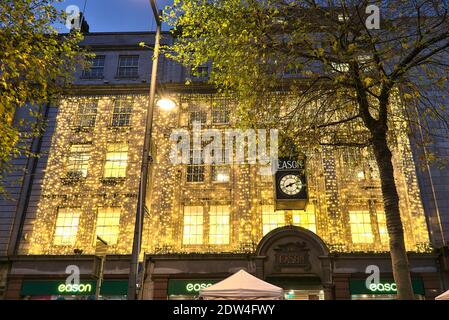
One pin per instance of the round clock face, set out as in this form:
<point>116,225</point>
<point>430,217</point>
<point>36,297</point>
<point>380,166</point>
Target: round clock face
<point>290,184</point>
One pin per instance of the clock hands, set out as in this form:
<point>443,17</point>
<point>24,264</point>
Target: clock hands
<point>290,184</point>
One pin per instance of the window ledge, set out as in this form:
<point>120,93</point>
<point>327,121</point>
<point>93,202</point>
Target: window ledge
<point>112,181</point>
<point>127,77</point>
<point>119,128</point>
<point>72,180</point>
<point>91,78</point>
<point>78,129</point>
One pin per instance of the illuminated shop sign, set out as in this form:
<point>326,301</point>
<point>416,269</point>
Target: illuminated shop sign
<point>381,287</point>
<point>75,288</point>
<point>358,286</point>
<point>188,287</point>
<point>196,287</point>
<point>85,287</point>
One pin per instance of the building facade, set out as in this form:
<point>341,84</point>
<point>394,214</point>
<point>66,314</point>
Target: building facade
<point>204,221</point>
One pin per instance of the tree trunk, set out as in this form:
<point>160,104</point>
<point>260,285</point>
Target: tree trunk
<point>398,253</point>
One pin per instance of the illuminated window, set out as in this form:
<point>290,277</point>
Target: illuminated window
<point>304,219</point>
<point>116,161</point>
<point>219,225</point>
<point>66,226</point>
<point>193,225</point>
<point>361,227</point>
<point>128,67</point>
<point>220,173</point>
<point>96,69</point>
<point>87,113</point>
<point>382,224</point>
<point>108,222</point>
<point>121,116</point>
<point>78,160</point>
<point>271,219</point>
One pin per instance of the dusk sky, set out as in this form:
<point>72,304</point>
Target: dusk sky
<point>115,15</point>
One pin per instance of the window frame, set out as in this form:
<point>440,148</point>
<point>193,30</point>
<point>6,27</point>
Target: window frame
<point>120,67</point>
<point>92,115</point>
<point>75,157</point>
<point>122,113</point>
<point>87,74</point>
<point>74,237</point>
<point>366,227</point>
<point>228,225</point>
<point>198,227</point>
<point>119,209</point>
<point>121,169</point>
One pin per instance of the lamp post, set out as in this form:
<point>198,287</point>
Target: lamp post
<point>146,161</point>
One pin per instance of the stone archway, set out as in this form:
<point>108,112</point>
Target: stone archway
<point>292,252</point>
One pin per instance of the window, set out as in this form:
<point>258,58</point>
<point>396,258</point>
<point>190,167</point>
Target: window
<point>361,231</point>
<point>219,225</point>
<point>220,173</point>
<point>116,161</point>
<point>128,67</point>
<point>78,160</point>
<point>121,116</point>
<point>193,225</point>
<point>271,219</point>
<point>195,173</point>
<point>382,224</point>
<point>197,116</point>
<point>195,170</point>
<point>87,113</point>
<point>304,219</point>
<point>66,226</point>
<point>96,70</point>
<point>108,221</point>
<point>220,111</point>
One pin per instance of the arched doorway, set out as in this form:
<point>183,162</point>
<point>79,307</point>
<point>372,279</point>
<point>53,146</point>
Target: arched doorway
<point>297,260</point>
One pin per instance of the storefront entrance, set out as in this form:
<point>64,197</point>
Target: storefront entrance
<point>297,260</point>
<point>299,288</point>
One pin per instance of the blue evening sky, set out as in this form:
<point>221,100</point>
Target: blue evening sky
<point>115,15</point>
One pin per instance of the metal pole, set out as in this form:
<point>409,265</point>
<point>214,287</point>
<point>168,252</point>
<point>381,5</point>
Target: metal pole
<point>146,161</point>
<point>100,278</point>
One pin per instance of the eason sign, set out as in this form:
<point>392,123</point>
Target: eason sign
<point>75,288</point>
<point>60,287</point>
<point>357,286</point>
<point>188,287</point>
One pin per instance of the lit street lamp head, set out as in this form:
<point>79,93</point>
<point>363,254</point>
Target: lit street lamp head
<point>166,104</point>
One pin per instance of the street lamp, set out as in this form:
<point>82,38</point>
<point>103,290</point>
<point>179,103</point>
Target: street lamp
<point>166,104</point>
<point>146,161</point>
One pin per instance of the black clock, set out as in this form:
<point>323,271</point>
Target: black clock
<point>290,185</point>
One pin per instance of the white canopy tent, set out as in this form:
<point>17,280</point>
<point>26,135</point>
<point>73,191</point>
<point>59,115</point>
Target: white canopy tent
<point>443,296</point>
<point>242,286</point>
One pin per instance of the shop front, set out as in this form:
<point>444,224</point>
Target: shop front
<point>66,278</point>
<point>294,259</point>
<point>385,289</point>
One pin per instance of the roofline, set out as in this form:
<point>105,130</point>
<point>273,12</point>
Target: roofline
<point>119,33</point>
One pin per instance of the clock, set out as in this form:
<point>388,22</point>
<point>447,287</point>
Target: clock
<point>291,184</point>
